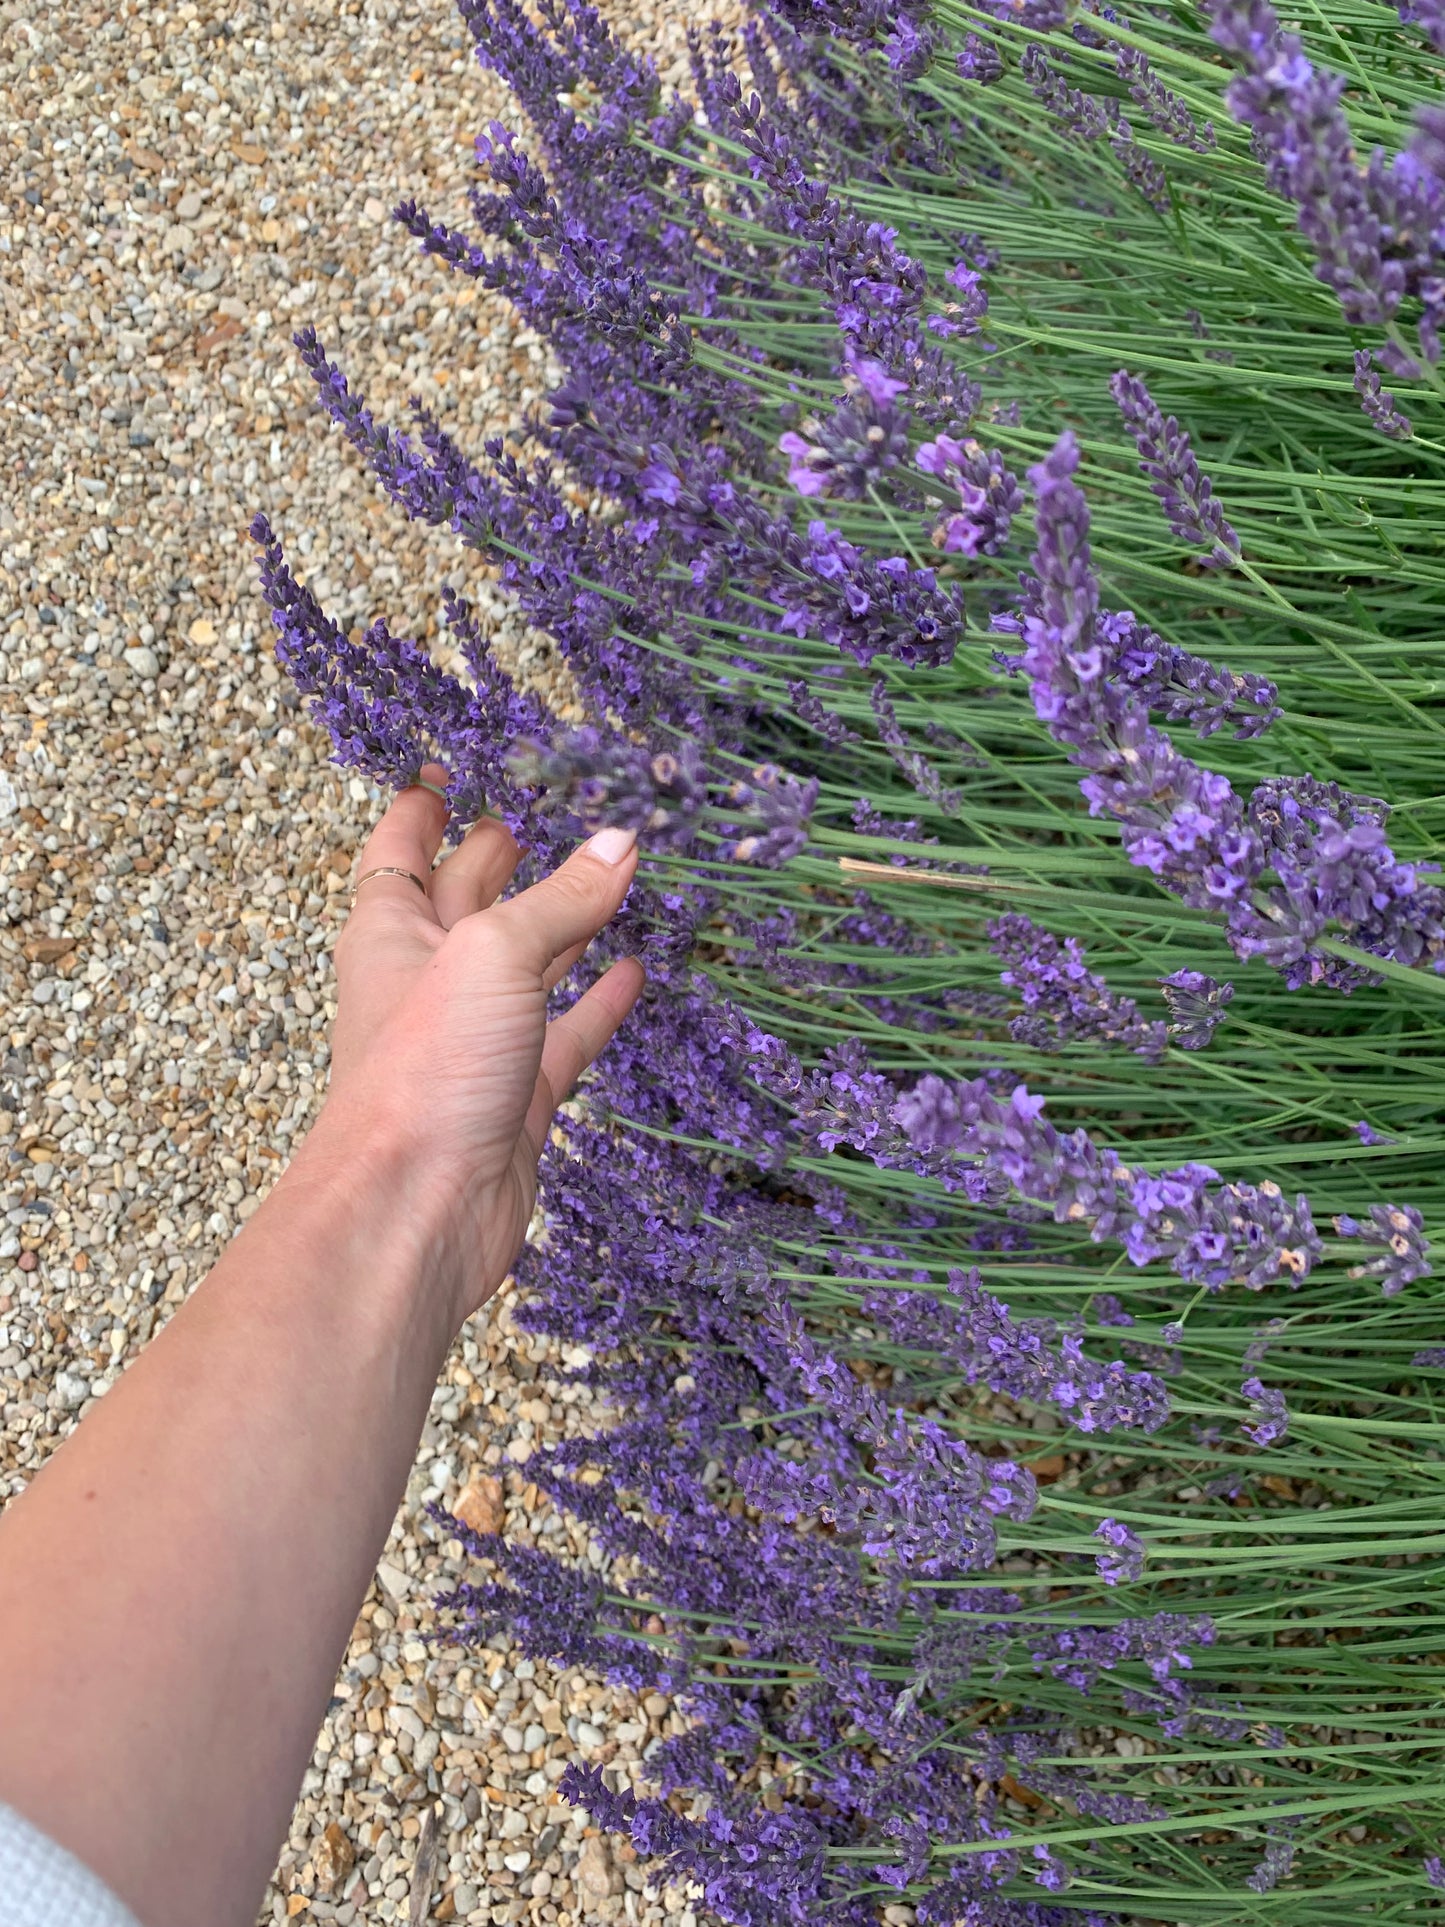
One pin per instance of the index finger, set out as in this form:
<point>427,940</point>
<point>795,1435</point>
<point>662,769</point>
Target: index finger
<point>407,838</point>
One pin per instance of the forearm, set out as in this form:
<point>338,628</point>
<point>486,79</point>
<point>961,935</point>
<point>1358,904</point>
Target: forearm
<point>178,1584</point>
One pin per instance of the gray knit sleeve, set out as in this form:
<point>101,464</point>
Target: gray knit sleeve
<point>41,1885</point>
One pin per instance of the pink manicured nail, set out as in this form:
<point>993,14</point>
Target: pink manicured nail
<point>610,845</point>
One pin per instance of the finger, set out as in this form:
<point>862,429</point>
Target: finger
<point>406,838</point>
<point>570,906</point>
<point>476,873</point>
<point>576,1037</point>
<point>555,972</point>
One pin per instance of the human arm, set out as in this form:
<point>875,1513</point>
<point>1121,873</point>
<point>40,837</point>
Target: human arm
<point>178,1583</point>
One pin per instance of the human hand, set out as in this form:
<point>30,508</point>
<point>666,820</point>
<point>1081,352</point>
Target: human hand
<point>441,1051</point>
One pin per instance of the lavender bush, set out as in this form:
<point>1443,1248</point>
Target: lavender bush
<point>1003,1232</point>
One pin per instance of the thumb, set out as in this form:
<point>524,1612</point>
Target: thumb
<point>570,906</point>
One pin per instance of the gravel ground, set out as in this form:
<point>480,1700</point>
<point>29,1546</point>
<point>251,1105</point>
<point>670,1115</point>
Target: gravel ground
<point>184,184</point>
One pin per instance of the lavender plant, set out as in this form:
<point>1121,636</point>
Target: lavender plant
<point>1003,1234</point>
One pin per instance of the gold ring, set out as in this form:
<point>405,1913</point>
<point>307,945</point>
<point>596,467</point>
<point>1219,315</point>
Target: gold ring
<point>387,870</point>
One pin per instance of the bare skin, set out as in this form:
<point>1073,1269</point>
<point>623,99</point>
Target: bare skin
<point>178,1584</point>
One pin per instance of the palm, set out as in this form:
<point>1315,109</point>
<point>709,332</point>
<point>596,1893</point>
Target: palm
<point>442,1022</point>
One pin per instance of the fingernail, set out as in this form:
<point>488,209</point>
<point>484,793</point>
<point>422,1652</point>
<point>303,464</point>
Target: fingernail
<point>610,845</point>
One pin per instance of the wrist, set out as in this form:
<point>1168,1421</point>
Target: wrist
<point>365,1187</point>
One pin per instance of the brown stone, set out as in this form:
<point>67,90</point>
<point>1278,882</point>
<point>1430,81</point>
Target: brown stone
<point>225,330</point>
<point>595,1874</point>
<point>28,1261</point>
<point>480,1504</point>
<point>48,949</point>
<point>333,1857</point>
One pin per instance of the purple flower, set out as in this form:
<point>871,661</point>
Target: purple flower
<point>867,606</point>
<point>864,437</point>
<point>385,704</point>
<point>1167,457</point>
<point>1395,1232</point>
<point>1064,1001</point>
<point>1080,114</point>
<point>552,1609</point>
<point>1377,402</point>
<point>1052,1872</point>
<point>1367,1133</point>
<point>989,495</point>
<point>1185,688</point>
<point>1163,106</point>
<point>1271,1415</point>
<point>1183,823</point>
<point>1122,1561</point>
<point>1435,1870</point>
<point>1212,1234</point>
<point>776,809</point>
<point>930,1502</point>
<point>979,60</point>
<point>1278,1858</point>
<point>1371,227</point>
<point>974,1334</point>
<point>593,781</point>
<point>1196,1004</point>
<point>964,316</point>
<point>1429,17</point>
<point>913,763</point>
<point>810,709</point>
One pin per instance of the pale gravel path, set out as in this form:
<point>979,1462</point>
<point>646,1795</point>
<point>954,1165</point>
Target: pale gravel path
<point>183,184</point>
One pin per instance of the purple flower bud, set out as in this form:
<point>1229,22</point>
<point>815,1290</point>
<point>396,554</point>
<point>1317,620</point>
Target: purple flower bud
<point>593,780</point>
<point>1271,1414</point>
<point>1371,227</point>
<point>1064,1001</point>
<point>1167,457</point>
<point>1377,401</point>
<point>864,437</point>
<point>1429,17</point>
<point>1196,1007</point>
<point>989,495</point>
<point>1184,823</point>
<point>1080,114</point>
<point>1235,1233</point>
<point>979,60</point>
<point>1395,1232</point>
<point>1277,1861</point>
<point>1162,105</point>
<point>1122,1563</point>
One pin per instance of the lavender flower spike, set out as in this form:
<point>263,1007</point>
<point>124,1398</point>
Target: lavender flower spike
<point>1167,457</point>
<point>864,436</point>
<point>1377,402</point>
<point>1123,1560</point>
<point>1064,1001</point>
<point>989,495</point>
<point>1196,1006</point>
<point>1270,1413</point>
<point>1429,17</point>
<point>1396,1232</point>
